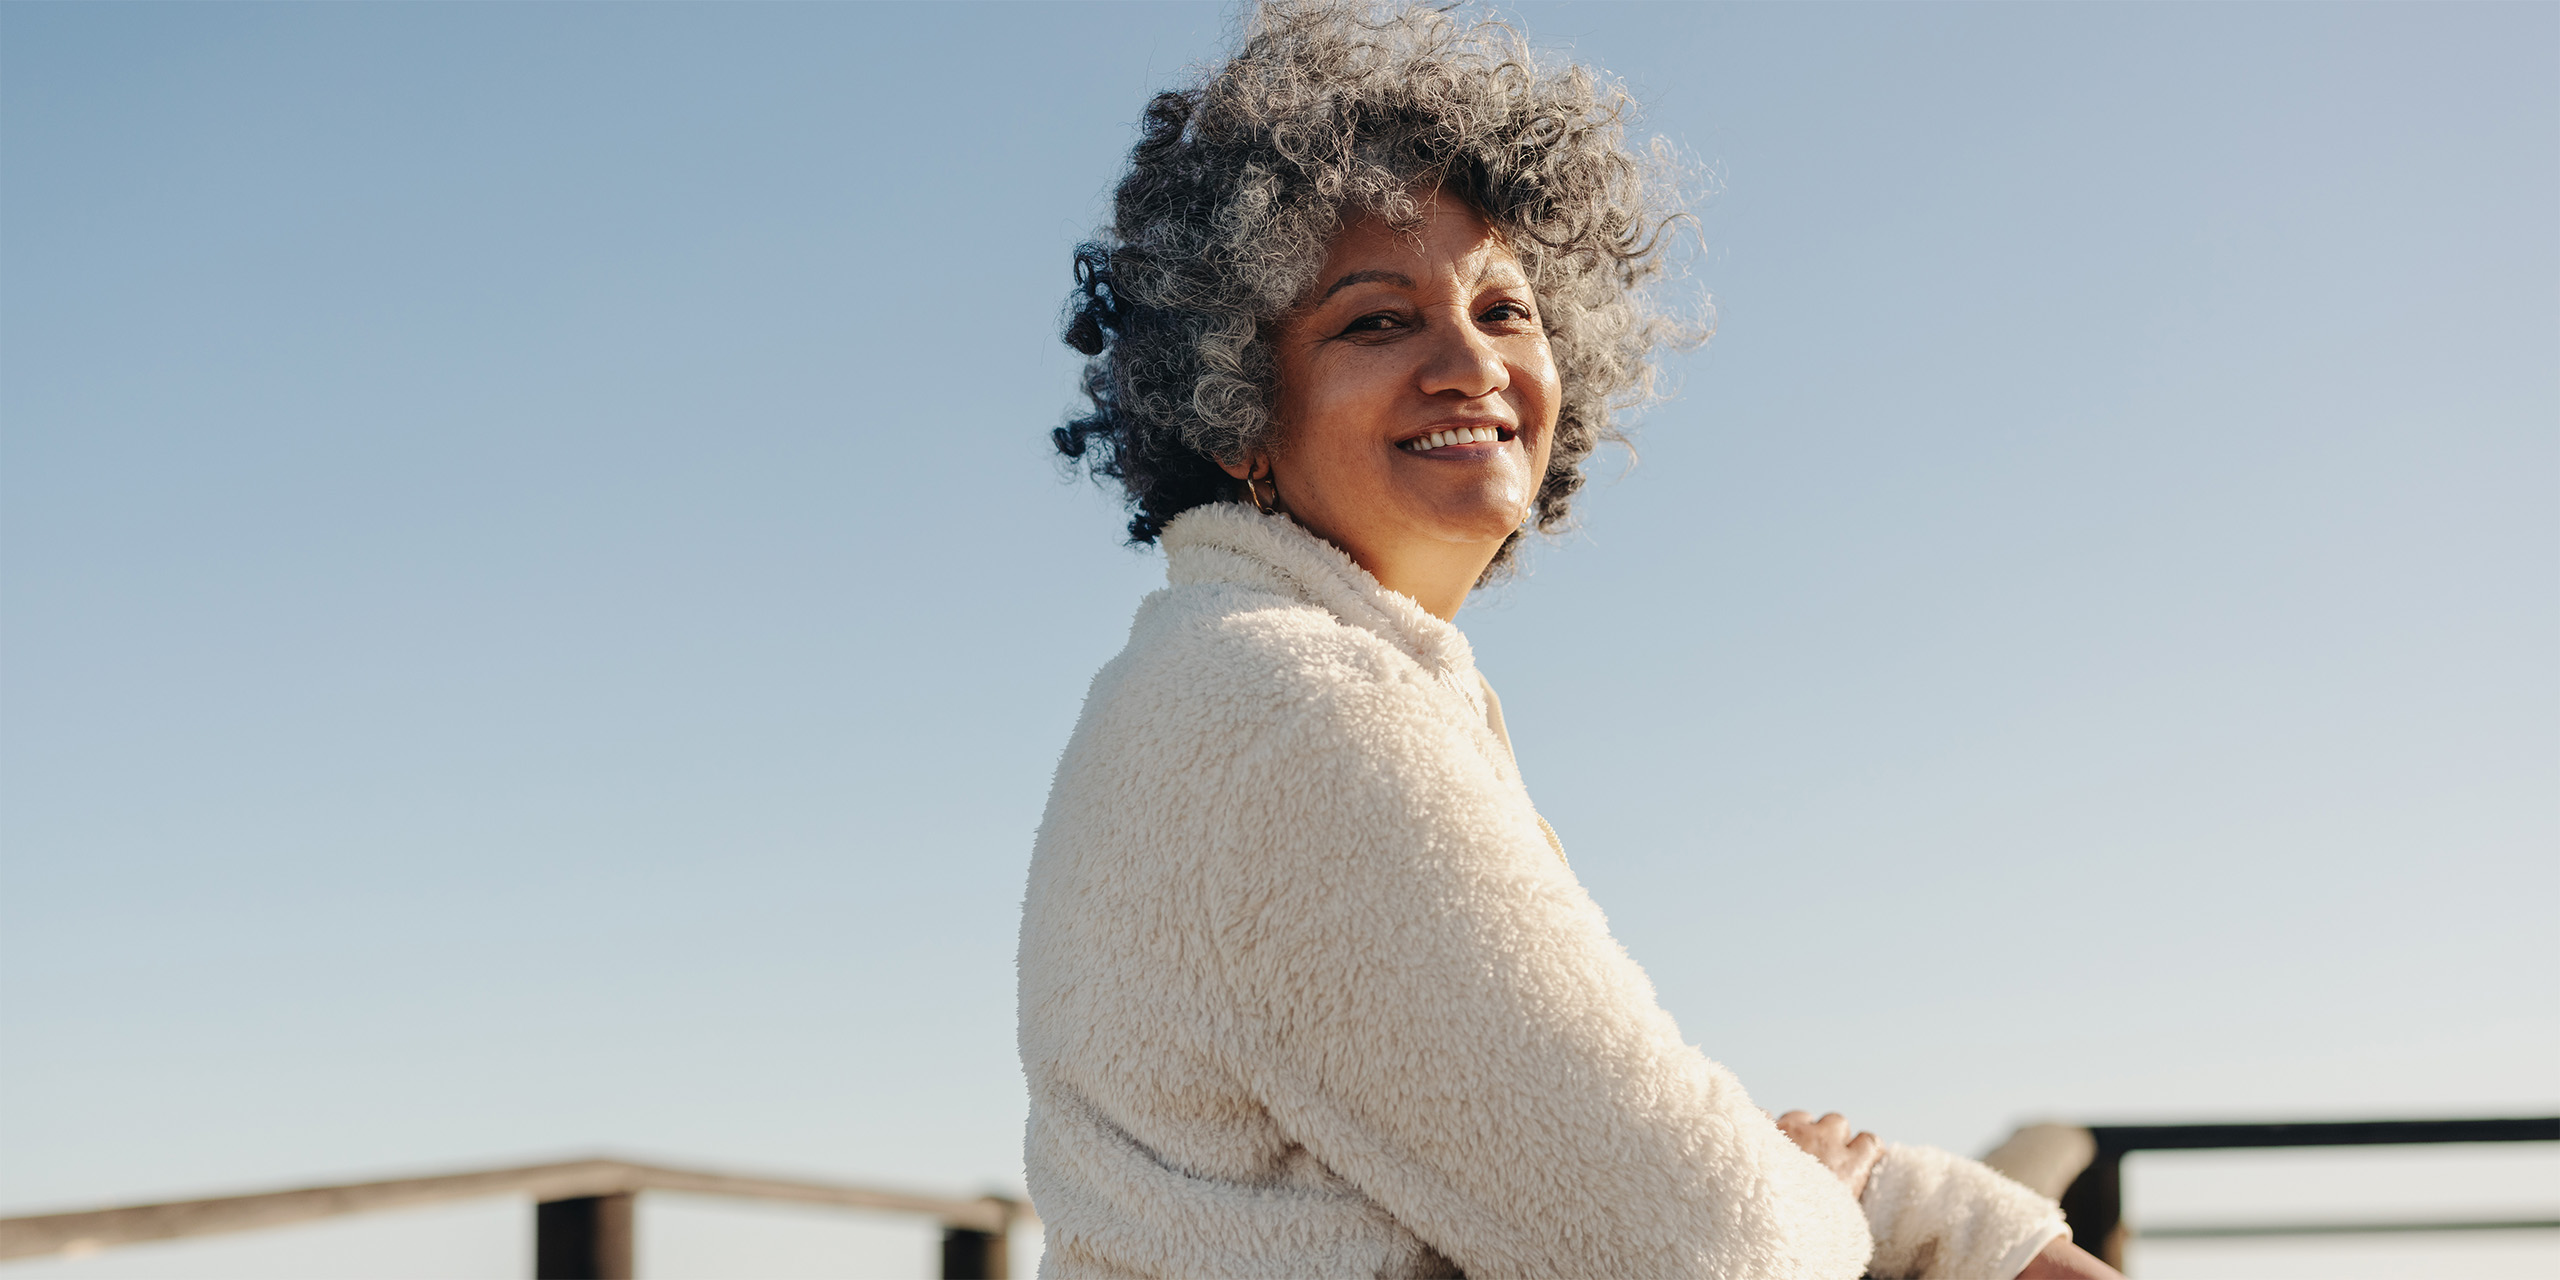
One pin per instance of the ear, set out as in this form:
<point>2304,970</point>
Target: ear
<point>1251,466</point>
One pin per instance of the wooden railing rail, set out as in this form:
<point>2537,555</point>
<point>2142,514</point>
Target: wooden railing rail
<point>582,1222</point>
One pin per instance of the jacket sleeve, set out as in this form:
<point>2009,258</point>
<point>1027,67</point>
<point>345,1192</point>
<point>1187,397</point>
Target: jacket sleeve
<point>1428,1002</point>
<point>1937,1216</point>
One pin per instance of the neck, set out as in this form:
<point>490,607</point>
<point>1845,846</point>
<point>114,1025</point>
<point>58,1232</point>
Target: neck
<point>1437,575</point>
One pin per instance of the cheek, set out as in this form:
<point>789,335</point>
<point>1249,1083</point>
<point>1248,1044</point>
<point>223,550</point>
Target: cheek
<point>1335,406</point>
<point>1547,391</point>
<point>1300,451</point>
<point>1542,387</point>
<point>1533,370</point>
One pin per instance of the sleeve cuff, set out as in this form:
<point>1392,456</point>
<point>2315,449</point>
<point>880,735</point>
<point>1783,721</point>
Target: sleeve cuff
<point>2026,1252</point>
<point>1938,1216</point>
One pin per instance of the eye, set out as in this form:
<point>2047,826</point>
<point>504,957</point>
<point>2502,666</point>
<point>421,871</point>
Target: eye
<point>1507,311</point>
<point>1375,322</point>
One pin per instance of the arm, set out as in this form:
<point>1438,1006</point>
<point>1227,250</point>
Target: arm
<point>1430,1004</point>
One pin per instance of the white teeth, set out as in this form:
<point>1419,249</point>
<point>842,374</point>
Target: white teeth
<point>1455,435</point>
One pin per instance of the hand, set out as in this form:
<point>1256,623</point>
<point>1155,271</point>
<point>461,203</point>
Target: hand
<point>1828,1141</point>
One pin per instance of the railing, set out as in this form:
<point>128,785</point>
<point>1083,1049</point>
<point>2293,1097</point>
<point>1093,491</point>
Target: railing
<point>584,1209</point>
<point>583,1214</point>
<point>2083,1167</point>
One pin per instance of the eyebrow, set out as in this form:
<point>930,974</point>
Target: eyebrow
<point>1368,277</point>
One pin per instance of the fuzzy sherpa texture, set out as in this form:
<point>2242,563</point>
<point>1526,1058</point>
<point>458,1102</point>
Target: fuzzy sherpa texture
<point>1940,1217</point>
<point>1307,989</point>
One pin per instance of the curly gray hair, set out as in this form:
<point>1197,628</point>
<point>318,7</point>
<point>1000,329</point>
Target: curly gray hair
<point>1332,110</point>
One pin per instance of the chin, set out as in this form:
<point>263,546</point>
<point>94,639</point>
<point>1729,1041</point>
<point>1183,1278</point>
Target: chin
<point>1487,521</point>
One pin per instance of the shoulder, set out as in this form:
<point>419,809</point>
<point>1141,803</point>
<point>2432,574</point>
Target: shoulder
<point>1225,688</point>
<point>1256,656</point>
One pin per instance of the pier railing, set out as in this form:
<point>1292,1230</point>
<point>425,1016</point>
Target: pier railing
<point>2083,1167</point>
<point>584,1209</point>
<point>583,1214</point>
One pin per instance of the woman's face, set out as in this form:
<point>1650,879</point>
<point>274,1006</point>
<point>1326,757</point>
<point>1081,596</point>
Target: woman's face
<point>1417,395</point>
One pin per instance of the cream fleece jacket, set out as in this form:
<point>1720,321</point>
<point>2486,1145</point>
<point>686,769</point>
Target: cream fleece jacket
<point>1308,990</point>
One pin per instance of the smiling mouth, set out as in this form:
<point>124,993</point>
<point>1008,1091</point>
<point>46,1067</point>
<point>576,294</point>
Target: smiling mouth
<point>1448,436</point>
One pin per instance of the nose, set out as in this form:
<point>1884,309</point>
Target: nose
<point>1464,362</point>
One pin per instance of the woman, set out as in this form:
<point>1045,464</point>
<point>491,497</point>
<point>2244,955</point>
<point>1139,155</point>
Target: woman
<point>1308,988</point>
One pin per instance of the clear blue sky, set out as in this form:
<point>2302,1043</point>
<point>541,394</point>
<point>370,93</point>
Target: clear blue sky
<point>537,616</point>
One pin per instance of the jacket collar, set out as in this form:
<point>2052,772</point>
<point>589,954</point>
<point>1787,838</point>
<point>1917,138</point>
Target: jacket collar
<point>1231,543</point>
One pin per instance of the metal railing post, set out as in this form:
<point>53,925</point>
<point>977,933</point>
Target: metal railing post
<point>584,1238</point>
<point>979,1253</point>
<point>971,1254</point>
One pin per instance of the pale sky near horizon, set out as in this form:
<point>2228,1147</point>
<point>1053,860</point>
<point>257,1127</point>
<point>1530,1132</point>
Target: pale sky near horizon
<point>535,615</point>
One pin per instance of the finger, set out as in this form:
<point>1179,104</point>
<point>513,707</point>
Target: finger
<point>1795,1119</point>
<point>1860,1165</point>
<point>1834,1126</point>
<point>1866,1141</point>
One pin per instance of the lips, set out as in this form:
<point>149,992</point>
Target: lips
<point>1447,436</point>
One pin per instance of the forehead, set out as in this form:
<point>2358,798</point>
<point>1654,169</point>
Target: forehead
<point>1452,237</point>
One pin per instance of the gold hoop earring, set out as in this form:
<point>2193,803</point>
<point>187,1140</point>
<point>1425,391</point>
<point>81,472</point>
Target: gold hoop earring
<point>1255,495</point>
